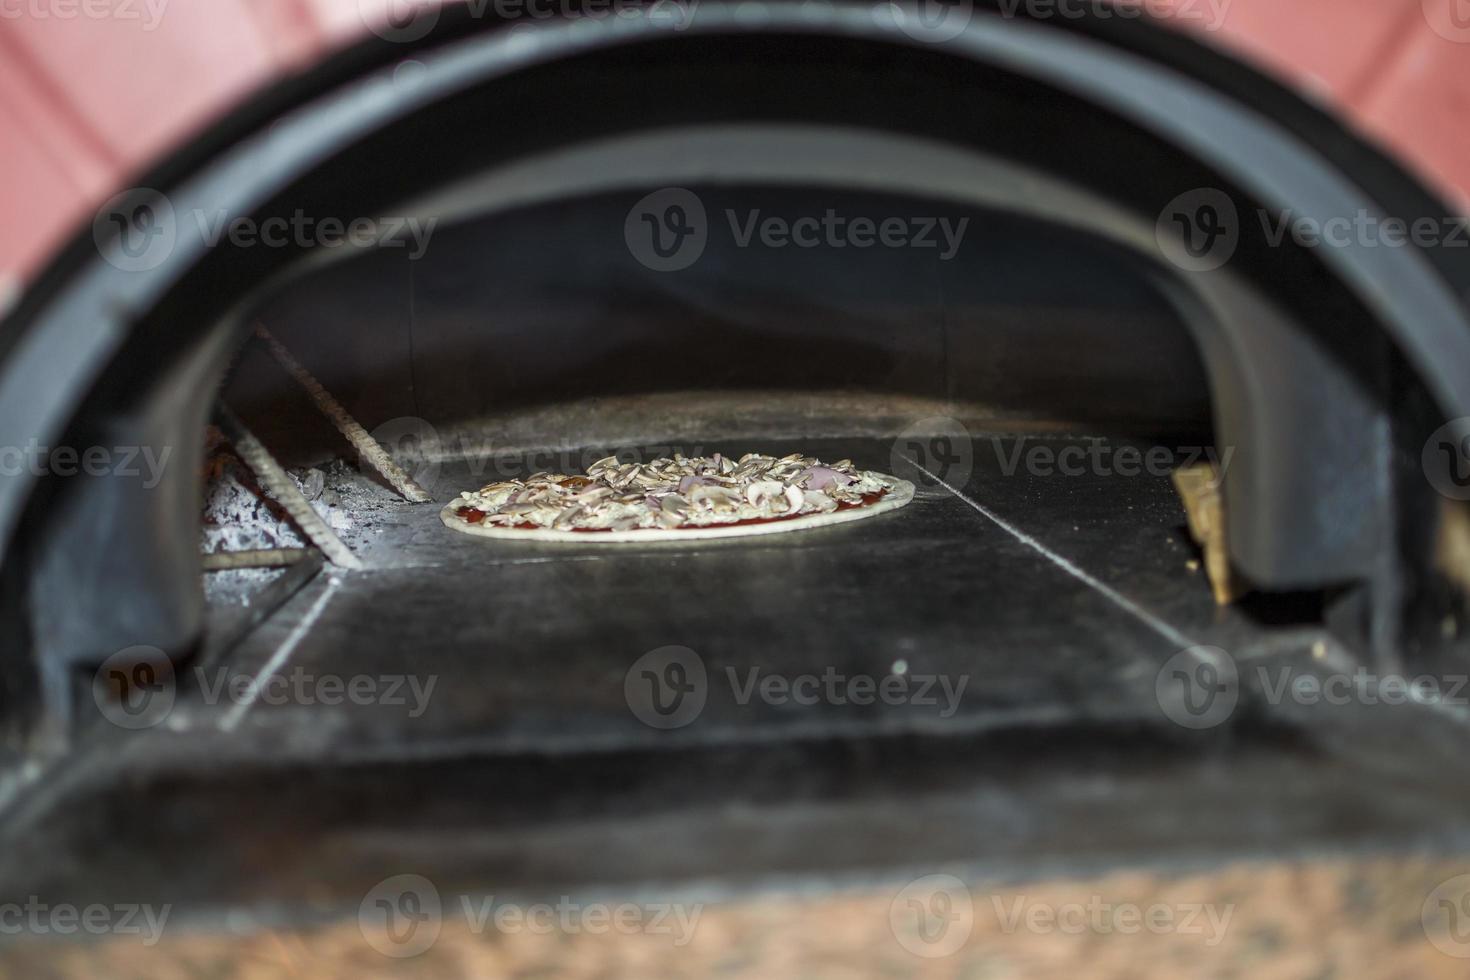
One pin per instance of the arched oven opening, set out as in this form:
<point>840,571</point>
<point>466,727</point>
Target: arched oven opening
<point>1141,451</point>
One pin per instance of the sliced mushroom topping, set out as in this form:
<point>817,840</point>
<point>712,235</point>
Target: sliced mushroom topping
<point>758,494</point>
<point>676,492</point>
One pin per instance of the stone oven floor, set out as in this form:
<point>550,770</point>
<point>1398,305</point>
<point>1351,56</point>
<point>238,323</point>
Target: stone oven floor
<point>507,758</point>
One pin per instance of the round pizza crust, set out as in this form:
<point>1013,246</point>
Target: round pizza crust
<point>899,493</point>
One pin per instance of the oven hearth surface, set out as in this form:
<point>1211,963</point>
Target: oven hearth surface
<point>1025,619</point>
<point>531,641</point>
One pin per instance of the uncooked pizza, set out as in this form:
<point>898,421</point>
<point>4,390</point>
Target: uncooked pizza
<point>678,498</point>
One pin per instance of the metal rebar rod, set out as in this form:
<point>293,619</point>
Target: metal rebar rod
<point>253,558</point>
<point>278,483</point>
<point>369,448</point>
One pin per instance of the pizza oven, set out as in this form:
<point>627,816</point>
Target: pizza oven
<point>1020,267</point>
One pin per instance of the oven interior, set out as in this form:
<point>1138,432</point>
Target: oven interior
<point>1037,381</point>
